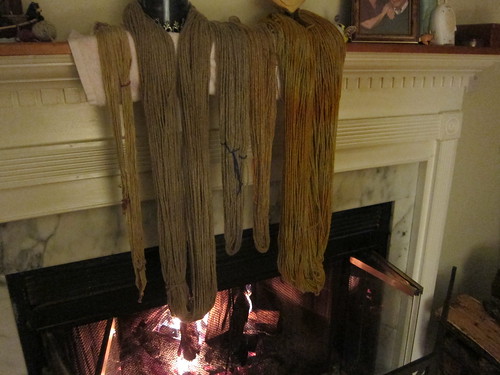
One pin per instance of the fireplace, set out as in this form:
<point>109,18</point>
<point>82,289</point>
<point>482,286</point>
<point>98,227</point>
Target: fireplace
<point>60,190</point>
<point>82,317</point>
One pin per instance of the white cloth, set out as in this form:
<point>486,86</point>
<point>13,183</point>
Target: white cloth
<point>86,55</point>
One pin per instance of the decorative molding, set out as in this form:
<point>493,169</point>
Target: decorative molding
<point>363,63</point>
<point>39,69</point>
<point>361,70</point>
<point>37,165</point>
<point>369,132</point>
<point>40,97</point>
<point>405,80</point>
<point>451,125</point>
<point>369,70</point>
<point>51,164</point>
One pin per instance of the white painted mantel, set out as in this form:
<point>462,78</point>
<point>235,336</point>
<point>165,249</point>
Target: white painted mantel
<point>57,153</point>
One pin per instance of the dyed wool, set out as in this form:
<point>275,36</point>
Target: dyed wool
<point>263,92</point>
<point>175,100</point>
<point>195,43</point>
<point>246,89</point>
<point>184,202</point>
<point>311,54</point>
<point>232,89</point>
<point>115,58</point>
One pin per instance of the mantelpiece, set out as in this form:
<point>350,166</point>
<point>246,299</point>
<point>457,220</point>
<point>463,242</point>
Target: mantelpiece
<point>389,98</point>
<point>400,105</point>
<point>62,48</point>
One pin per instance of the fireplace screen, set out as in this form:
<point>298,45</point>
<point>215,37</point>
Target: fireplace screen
<point>266,327</point>
<point>82,319</point>
<point>251,330</point>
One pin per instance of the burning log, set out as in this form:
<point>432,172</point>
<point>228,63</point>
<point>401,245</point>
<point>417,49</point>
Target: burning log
<point>229,321</point>
<point>189,346</point>
<point>226,328</point>
<point>236,328</point>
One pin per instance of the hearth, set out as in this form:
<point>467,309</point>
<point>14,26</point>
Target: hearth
<point>83,317</point>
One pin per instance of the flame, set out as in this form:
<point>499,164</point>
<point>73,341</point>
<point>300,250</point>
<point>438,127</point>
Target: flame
<point>201,326</point>
<point>175,323</point>
<point>111,337</point>
<point>248,294</point>
<point>171,322</point>
<point>183,366</point>
<point>249,326</point>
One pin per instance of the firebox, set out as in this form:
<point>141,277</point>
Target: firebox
<point>84,318</point>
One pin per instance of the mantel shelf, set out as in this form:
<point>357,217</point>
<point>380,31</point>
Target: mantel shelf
<point>62,48</point>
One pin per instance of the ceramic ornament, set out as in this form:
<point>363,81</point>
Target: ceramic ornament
<point>443,25</point>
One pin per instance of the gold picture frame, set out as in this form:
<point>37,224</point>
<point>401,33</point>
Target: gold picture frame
<point>386,20</point>
<point>11,7</point>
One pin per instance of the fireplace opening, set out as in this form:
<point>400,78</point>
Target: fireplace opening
<point>83,317</point>
<point>264,328</point>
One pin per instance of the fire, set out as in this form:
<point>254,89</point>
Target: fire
<point>248,294</point>
<point>183,366</point>
<point>170,322</point>
<point>176,323</point>
<point>201,325</point>
<point>189,340</point>
<point>107,354</point>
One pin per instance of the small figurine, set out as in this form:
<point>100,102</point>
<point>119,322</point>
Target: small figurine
<point>426,39</point>
<point>170,14</point>
<point>37,29</point>
<point>34,13</point>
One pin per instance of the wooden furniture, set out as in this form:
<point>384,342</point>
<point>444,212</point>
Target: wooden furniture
<point>472,341</point>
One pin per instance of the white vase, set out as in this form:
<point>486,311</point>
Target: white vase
<point>443,25</point>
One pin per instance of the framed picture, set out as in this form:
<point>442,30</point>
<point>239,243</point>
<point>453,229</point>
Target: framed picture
<point>386,20</point>
<point>10,7</point>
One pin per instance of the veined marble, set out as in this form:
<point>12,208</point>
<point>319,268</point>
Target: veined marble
<point>63,238</point>
<point>11,355</point>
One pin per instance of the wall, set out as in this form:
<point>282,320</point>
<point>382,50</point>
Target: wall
<point>471,12</point>
<point>472,235</point>
<point>80,15</point>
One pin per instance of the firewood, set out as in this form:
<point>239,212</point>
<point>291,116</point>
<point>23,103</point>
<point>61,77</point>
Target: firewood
<point>189,346</point>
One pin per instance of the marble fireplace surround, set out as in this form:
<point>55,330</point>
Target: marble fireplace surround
<point>400,121</point>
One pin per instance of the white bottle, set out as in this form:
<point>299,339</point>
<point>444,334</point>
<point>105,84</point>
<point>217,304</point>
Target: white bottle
<point>443,25</point>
